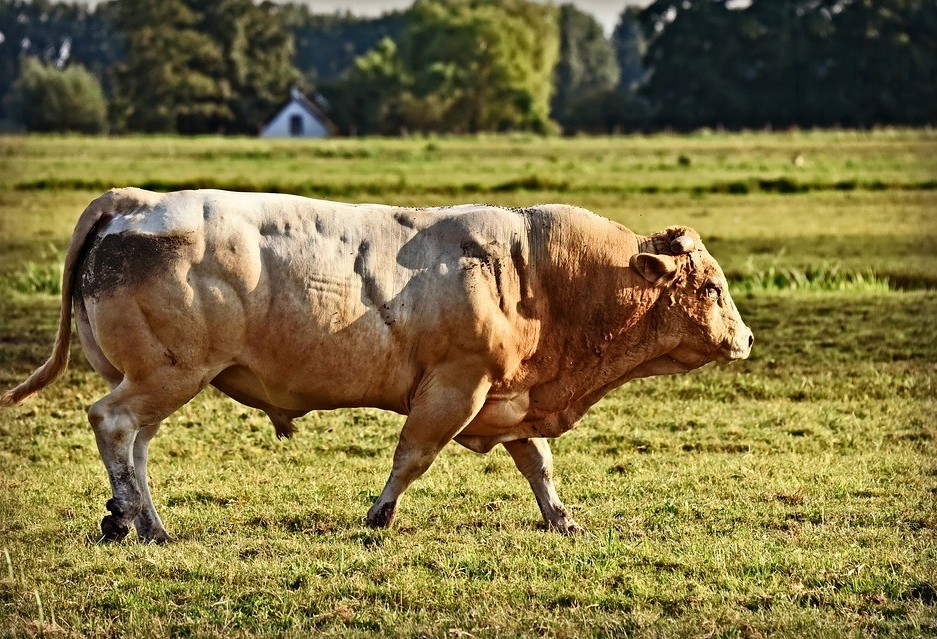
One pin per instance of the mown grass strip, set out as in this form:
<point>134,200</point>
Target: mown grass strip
<point>531,183</point>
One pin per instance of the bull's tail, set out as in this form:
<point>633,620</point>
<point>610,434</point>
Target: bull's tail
<point>98,212</point>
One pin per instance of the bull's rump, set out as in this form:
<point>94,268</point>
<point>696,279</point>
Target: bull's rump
<point>304,304</point>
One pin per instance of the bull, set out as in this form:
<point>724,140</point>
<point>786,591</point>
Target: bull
<point>481,324</point>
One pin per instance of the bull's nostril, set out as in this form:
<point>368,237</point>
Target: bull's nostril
<point>751,339</point>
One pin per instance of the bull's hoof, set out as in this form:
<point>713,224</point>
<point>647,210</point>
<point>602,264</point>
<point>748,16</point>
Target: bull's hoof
<point>569,528</point>
<point>158,537</point>
<point>564,526</point>
<point>382,515</point>
<point>112,529</point>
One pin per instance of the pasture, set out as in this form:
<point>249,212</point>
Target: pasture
<point>793,494</point>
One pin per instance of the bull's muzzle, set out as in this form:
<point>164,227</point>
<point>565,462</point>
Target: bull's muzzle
<point>736,346</point>
<point>741,346</point>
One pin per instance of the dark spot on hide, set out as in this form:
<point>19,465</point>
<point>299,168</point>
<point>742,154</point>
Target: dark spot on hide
<point>489,257</point>
<point>525,305</point>
<point>173,360</point>
<point>404,219</point>
<point>496,267</point>
<point>370,291</point>
<point>127,259</point>
<point>268,229</point>
<point>471,248</point>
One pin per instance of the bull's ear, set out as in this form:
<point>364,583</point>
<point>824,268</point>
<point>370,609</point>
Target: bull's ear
<point>653,267</point>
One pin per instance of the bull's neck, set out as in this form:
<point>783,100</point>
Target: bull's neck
<point>599,322</point>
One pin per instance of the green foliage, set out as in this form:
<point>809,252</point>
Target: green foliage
<point>45,98</point>
<point>327,45</point>
<point>462,67</point>
<point>610,106</point>
<point>195,66</point>
<point>799,62</point>
<point>369,98</point>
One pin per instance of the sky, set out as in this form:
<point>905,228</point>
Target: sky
<point>605,11</point>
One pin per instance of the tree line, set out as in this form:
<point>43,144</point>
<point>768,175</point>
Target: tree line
<point>465,66</point>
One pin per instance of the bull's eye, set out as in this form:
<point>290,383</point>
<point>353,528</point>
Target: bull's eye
<point>712,291</point>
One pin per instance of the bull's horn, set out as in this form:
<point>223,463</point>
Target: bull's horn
<point>682,244</point>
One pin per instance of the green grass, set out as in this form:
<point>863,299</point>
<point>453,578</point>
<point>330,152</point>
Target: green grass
<point>822,277</point>
<point>792,494</point>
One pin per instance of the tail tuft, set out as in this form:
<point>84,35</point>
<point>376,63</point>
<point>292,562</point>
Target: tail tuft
<point>46,374</point>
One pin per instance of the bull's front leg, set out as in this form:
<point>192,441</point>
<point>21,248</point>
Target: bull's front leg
<point>442,406</point>
<point>535,461</point>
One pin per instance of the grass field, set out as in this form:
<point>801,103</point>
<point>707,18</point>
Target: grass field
<point>794,494</point>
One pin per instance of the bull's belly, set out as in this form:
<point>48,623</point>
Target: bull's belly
<point>323,392</point>
<point>501,417</point>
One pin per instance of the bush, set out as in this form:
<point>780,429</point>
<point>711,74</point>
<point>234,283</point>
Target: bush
<point>45,98</point>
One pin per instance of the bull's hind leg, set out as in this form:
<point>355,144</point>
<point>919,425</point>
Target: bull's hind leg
<point>443,406</point>
<point>535,461</point>
<point>115,429</point>
<point>124,421</point>
<point>148,524</point>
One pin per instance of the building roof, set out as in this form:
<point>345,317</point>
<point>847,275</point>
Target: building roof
<point>310,106</point>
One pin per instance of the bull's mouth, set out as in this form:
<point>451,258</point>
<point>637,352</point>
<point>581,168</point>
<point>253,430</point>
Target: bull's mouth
<point>726,353</point>
<point>733,353</point>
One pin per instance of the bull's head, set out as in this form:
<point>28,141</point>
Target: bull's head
<point>695,311</point>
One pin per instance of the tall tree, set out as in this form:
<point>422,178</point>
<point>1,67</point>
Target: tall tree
<point>791,62</point>
<point>257,54</point>
<point>327,45</point>
<point>586,68</point>
<point>169,80</point>
<point>369,98</point>
<point>880,61</point>
<point>484,64</point>
<point>697,59</point>
<point>462,66</point>
<point>196,66</point>
<point>630,48</point>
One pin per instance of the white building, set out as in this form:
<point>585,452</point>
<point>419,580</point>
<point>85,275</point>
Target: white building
<point>299,118</point>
